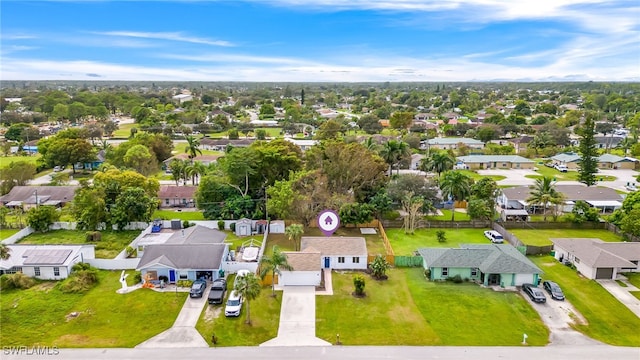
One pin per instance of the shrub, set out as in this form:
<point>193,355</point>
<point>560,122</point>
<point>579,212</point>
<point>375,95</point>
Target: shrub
<point>442,236</point>
<point>220,224</point>
<point>379,267</point>
<point>186,224</point>
<point>391,215</point>
<point>427,273</point>
<point>232,226</point>
<point>358,283</point>
<point>41,217</point>
<point>184,283</point>
<point>16,281</point>
<point>455,279</point>
<point>82,279</point>
<point>163,278</point>
<point>93,236</point>
<point>131,252</point>
<point>137,277</point>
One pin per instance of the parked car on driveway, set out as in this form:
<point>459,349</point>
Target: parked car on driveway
<point>494,236</point>
<point>218,289</point>
<point>553,289</point>
<point>561,168</point>
<point>535,294</point>
<point>197,288</point>
<point>234,304</point>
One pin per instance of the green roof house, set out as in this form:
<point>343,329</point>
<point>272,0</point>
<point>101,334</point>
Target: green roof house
<point>490,265</point>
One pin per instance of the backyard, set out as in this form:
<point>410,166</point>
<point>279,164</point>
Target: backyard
<point>541,237</point>
<point>40,315</point>
<point>5,233</point>
<point>564,176</point>
<point>408,310</point>
<point>607,319</point>
<point>475,176</point>
<point>182,215</point>
<point>232,331</point>
<point>111,244</point>
<point>374,242</point>
<point>406,244</point>
<point>6,160</point>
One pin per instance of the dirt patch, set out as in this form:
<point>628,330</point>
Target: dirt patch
<point>212,313</point>
<point>46,286</point>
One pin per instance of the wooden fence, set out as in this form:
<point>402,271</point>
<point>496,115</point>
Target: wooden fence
<point>385,239</point>
<point>616,230</point>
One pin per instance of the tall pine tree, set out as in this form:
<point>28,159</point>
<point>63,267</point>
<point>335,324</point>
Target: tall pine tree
<point>588,152</point>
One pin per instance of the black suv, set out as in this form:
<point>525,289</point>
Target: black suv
<point>197,288</point>
<point>535,294</point>
<point>554,290</point>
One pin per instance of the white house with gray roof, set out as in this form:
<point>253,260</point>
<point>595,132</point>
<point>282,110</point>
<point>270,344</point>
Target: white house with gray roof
<point>489,265</point>
<point>338,252</point>
<point>451,143</point>
<point>46,262</point>
<point>306,268</point>
<point>474,162</point>
<point>596,259</point>
<point>604,199</point>
<point>605,161</point>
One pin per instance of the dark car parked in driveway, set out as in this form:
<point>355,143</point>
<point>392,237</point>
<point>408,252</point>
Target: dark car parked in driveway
<point>554,290</point>
<point>218,289</point>
<point>535,294</point>
<point>197,288</point>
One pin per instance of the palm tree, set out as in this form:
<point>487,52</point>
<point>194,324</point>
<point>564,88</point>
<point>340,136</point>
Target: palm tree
<point>455,185</point>
<point>273,264</point>
<point>192,147</point>
<point>197,170</point>
<point>294,233</point>
<point>5,252</point>
<point>393,151</point>
<point>177,168</point>
<point>248,287</point>
<point>543,193</point>
<point>439,162</point>
<point>370,143</point>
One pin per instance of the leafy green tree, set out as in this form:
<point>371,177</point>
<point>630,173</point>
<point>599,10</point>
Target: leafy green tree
<point>630,223</point>
<point>441,235</point>
<point>370,124</point>
<point>5,252</point>
<point>379,267</point>
<point>178,170</point>
<point>89,208</point>
<point>233,134</point>
<point>139,158</point>
<point>330,129</point>
<point>438,161</point>
<point>248,286</point>
<point>212,194</point>
<point>359,284</point>
<point>17,173</point>
<point>393,151</point>
<point>455,185</point>
<point>416,185</point>
<point>294,234</point>
<point>588,153</point>
<point>482,204</point>
<point>582,212</point>
<point>356,213</point>
<point>267,110</point>
<point>15,131</point>
<point>401,119</point>
<point>274,264</point>
<point>133,204</point>
<point>261,134</point>
<point>41,217</point>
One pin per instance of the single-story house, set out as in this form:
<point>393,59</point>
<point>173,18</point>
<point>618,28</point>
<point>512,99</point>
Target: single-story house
<point>197,234</point>
<point>604,199</point>
<point>490,264</point>
<point>416,159</point>
<point>94,165</point>
<point>605,161</point>
<point>521,143</point>
<point>27,197</point>
<point>177,196</point>
<point>475,162</point>
<point>596,259</point>
<point>452,143</point>
<point>221,144</point>
<point>338,252</point>
<point>46,262</point>
<point>183,261</point>
<point>306,268</point>
<point>182,98</point>
<point>204,159</point>
<point>304,145</point>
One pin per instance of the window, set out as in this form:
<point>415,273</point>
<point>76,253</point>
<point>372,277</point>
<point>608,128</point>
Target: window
<point>445,271</point>
<point>13,270</point>
<point>183,275</point>
<point>576,260</point>
<point>56,271</point>
<point>474,271</point>
<point>36,271</point>
<point>341,259</point>
<point>356,260</point>
<point>166,201</point>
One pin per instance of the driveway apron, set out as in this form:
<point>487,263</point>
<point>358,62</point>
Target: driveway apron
<point>622,294</point>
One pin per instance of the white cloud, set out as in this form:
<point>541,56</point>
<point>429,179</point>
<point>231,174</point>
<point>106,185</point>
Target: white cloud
<point>170,36</point>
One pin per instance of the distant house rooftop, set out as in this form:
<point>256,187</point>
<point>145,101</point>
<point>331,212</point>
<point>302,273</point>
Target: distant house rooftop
<point>453,141</point>
<point>470,159</point>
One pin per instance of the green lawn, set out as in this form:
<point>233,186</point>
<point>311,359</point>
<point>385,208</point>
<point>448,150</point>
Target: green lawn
<point>635,293</point>
<point>446,216</point>
<point>541,237</point>
<point>37,316</point>
<point>634,279</point>
<point>564,176</point>
<point>5,233</point>
<point>405,244</point>
<point>124,130</point>
<point>607,319</point>
<point>6,160</point>
<point>112,243</point>
<point>265,318</point>
<point>408,310</point>
<point>279,240</point>
<point>475,176</point>
<point>272,132</point>
<point>182,215</point>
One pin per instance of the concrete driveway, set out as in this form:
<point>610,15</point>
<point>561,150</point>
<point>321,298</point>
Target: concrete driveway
<point>183,333</point>
<point>622,294</point>
<point>297,318</point>
<point>557,316</point>
<point>514,177</point>
<point>623,176</point>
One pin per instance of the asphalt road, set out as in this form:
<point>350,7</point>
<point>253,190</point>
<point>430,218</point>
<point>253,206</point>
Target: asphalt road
<point>579,352</point>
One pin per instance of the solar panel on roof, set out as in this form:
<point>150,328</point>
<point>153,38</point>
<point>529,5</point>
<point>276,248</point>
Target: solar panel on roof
<point>46,256</point>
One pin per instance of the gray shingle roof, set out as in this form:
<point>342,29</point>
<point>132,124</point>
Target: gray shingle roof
<point>183,256</point>
<point>494,158</point>
<point>308,260</point>
<point>197,235</point>
<point>572,193</point>
<point>51,193</point>
<point>597,253</point>
<point>453,141</point>
<point>490,258</point>
<point>335,245</point>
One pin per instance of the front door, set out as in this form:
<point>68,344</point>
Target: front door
<point>172,276</point>
<point>494,279</point>
<point>327,262</point>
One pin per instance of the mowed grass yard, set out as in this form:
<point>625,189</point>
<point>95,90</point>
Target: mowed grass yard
<point>182,215</point>
<point>39,316</point>
<point>541,237</point>
<point>374,242</point>
<point>607,319</point>
<point>232,331</point>
<point>5,233</point>
<point>406,309</point>
<point>406,244</point>
<point>112,243</point>
<point>571,175</point>
<point>6,160</point>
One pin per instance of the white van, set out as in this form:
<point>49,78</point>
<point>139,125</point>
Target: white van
<point>494,236</point>
<point>562,168</point>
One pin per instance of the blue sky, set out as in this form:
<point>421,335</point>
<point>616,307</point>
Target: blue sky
<point>321,40</point>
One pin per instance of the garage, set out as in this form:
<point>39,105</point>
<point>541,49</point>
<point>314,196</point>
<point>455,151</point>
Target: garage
<point>604,273</point>
<point>299,278</point>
